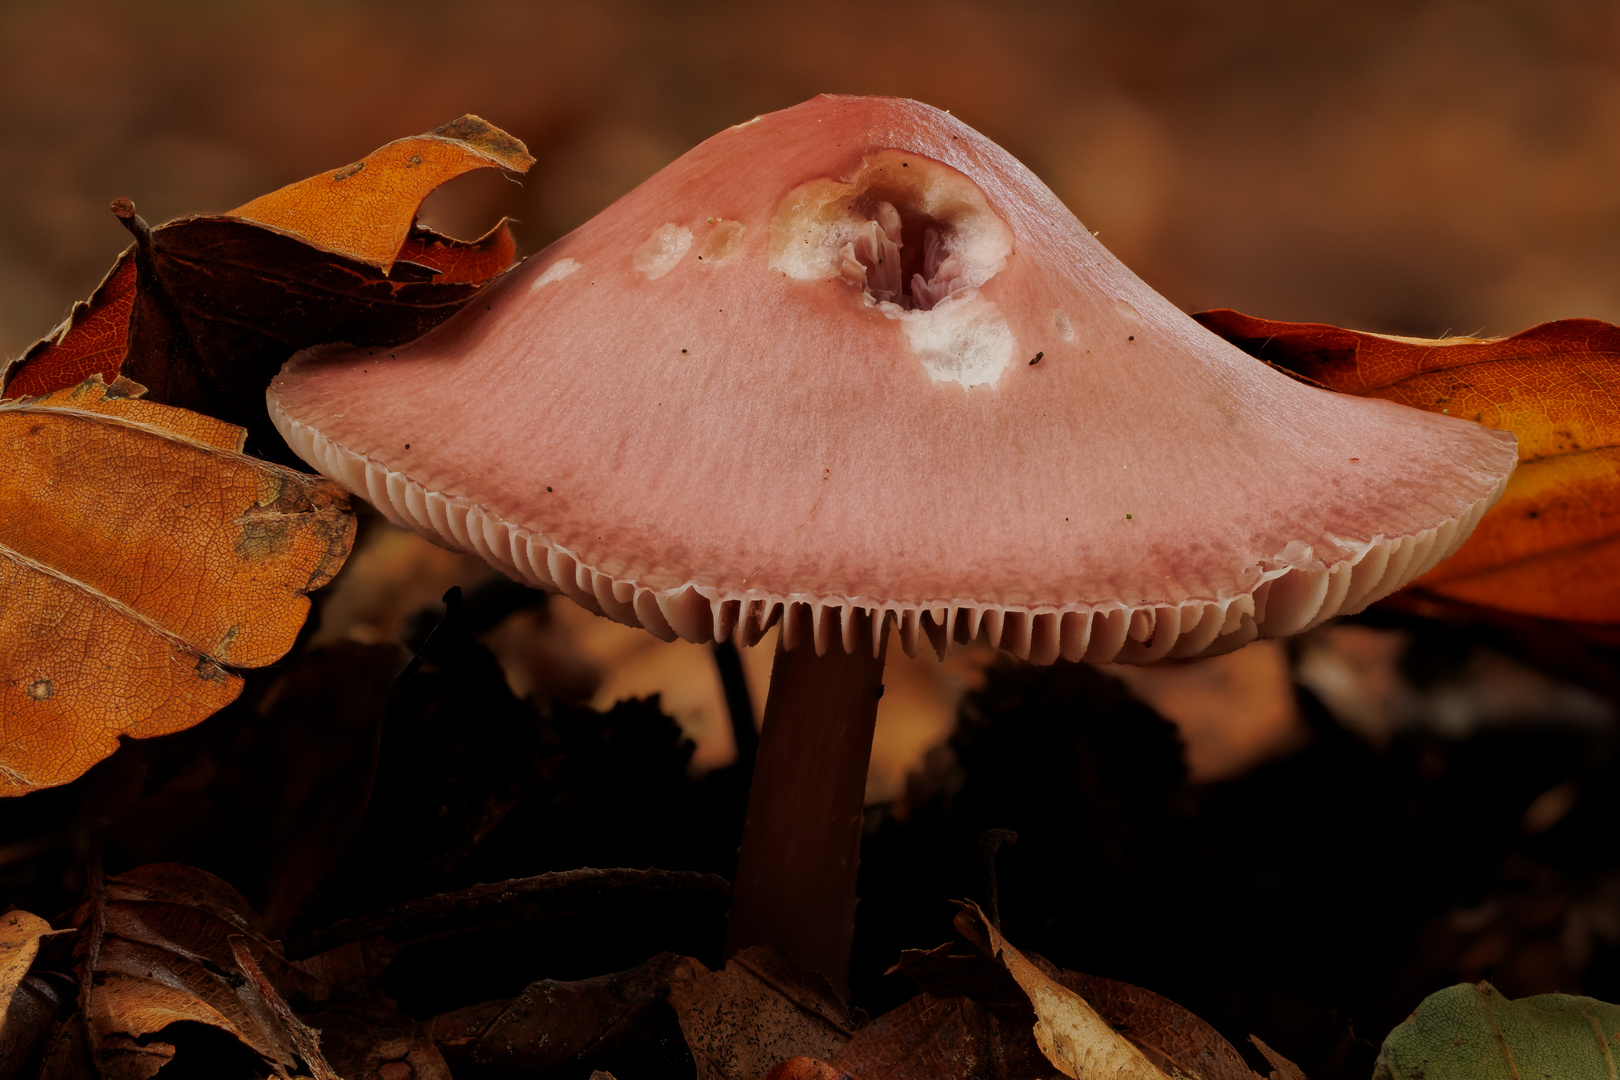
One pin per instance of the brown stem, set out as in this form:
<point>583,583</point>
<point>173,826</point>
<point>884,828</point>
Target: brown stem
<point>795,886</point>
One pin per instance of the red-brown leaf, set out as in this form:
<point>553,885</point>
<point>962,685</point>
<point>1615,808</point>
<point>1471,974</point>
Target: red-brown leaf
<point>1549,548</point>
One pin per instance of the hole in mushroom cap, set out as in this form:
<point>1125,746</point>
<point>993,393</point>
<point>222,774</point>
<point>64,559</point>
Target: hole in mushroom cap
<point>906,230</point>
<point>917,239</point>
<point>903,259</point>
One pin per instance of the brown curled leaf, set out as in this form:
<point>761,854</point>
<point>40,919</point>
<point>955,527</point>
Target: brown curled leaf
<point>202,311</point>
<point>175,951</point>
<point>1549,547</point>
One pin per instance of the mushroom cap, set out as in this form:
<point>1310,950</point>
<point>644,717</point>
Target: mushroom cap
<point>700,413</point>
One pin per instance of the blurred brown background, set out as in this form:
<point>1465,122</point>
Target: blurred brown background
<point>1414,166</point>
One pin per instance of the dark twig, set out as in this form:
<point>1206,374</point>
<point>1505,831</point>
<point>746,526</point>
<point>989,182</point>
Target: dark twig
<point>146,271</point>
<point>989,844</point>
<point>452,616</point>
<point>739,703</point>
<point>96,894</point>
<point>149,283</point>
<point>556,890</point>
<point>305,1039</point>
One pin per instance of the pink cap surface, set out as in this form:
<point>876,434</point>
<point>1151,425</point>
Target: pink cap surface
<point>716,405</point>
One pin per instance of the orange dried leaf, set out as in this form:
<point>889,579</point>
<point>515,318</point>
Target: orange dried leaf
<point>92,341</point>
<point>1549,547</point>
<point>461,261</point>
<point>142,553</point>
<point>365,210</point>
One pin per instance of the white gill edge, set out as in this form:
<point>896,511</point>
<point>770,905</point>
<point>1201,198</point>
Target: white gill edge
<point>1285,600</point>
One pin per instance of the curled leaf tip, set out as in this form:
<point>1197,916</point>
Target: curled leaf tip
<point>480,133</point>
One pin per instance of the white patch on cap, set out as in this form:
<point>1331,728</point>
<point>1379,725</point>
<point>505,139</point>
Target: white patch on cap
<point>555,272</point>
<point>962,339</point>
<point>667,245</point>
<point>722,243</point>
<point>1060,320</point>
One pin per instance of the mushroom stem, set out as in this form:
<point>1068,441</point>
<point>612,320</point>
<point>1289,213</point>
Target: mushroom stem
<point>801,844</point>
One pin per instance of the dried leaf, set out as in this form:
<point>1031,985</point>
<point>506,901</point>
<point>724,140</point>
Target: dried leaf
<point>981,1012</point>
<point>204,310</point>
<point>760,1011</point>
<point>92,341</point>
<point>365,210</point>
<point>565,1026</point>
<point>1548,548</point>
<point>461,261</point>
<point>1469,1032</point>
<point>369,1040</point>
<point>808,1068</point>
<point>142,554</point>
<point>1077,1041</point>
<point>159,942</point>
<point>28,1001</point>
<point>1173,1038</point>
<point>927,1038</point>
<point>1281,1067</point>
<point>19,944</point>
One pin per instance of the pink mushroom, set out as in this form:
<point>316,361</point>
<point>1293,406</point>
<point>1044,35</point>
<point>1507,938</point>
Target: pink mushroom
<point>851,367</point>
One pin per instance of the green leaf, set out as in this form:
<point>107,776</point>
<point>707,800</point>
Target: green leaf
<point>1469,1032</point>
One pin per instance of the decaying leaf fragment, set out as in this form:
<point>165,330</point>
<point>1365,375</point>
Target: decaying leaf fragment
<point>996,1012</point>
<point>141,556</point>
<point>370,1040</point>
<point>29,999</point>
<point>203,310</point>
<point>557,1027</point>
<point>19,944</point>
<point>157,942</point>
<point>1471,1032</point>
<point>1077,1041</point>
<point>1549,547</point>
<point>761,1010</point>
<point>926,1038</point>
<point>176,968</point>
<point>27,1002</point>
<point>1174,1038</point>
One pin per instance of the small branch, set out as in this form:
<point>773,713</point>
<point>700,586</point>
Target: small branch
<point>989,845</point>
<point>124,210</point>
<point>96,894</point>
<point>562,887</point>
<point>451,618</point>
<point>149,283</point>
<point>739,702</point>
<point>305,1039</point>
<point>146,271</point>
